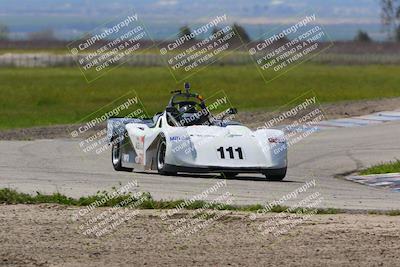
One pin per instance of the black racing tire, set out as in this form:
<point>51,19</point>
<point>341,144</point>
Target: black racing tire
<point>276,177</point>
<point>116,156</point>
<point>229,174</point>
<point>160,158</point>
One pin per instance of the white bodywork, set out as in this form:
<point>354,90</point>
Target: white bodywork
<point>200,147</point>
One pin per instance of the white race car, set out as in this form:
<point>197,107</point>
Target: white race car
<point>186,137</point>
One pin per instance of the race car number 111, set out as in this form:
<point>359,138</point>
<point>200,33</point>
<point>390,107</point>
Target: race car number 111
<point>231,150</point>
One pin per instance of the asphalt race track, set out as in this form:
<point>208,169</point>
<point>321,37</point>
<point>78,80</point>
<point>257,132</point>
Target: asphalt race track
<point>59,165</point>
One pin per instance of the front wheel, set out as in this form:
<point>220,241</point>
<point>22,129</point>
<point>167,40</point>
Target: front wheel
<point>276,175</point>
<point>161,154</point>
<point>116,155</point>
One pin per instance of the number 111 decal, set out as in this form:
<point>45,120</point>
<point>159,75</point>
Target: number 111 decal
<point>231,153</point>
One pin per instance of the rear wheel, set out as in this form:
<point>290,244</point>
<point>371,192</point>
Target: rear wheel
<point>161,153</point>
<point>116,155</point>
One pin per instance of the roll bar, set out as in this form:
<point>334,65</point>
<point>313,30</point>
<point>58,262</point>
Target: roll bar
<point>187,94</point>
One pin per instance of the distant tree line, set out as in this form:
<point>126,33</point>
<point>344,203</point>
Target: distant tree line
<point>44,35</point>
<point>390,20</point>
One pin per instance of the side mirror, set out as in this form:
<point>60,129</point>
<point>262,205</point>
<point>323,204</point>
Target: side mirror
<point>232,111</point>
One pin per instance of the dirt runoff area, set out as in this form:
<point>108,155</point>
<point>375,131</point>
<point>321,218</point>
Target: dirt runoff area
<point>252,119</point>
<point>52,235</point>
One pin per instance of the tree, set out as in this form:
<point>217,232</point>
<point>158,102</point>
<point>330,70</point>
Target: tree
<point>3,32</point>
<point>215,30</point>
<point>362,37</point>
<point>390,16</point>
<point>47,35</point>
<point>241,32</point>
<point>185,31</point>
<point>397,35</point>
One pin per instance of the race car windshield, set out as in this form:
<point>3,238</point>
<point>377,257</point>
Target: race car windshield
<point>187,113</point>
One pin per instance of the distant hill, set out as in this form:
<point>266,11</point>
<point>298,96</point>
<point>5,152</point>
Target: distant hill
<point>71,18</point>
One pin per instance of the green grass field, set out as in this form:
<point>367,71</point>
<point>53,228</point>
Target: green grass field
<point>390,167</point>
<point>45,96</point>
